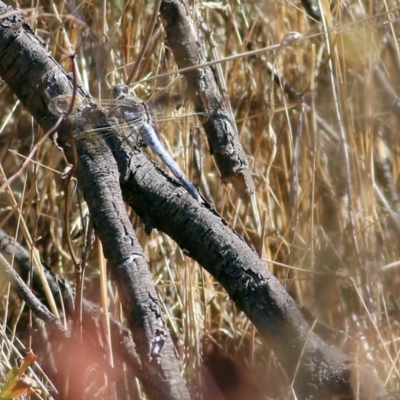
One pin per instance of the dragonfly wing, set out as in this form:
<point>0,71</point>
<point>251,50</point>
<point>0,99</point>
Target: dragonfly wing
<point>61,105</point>
<point>168,99</point>
<point>84,114</point>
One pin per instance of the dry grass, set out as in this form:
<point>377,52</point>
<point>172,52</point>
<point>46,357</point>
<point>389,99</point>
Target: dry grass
<point>332,242</point>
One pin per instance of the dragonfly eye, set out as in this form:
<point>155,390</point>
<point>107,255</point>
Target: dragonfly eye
<point>120,91</point>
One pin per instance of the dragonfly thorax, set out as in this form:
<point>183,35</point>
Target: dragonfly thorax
<point>137,115</point>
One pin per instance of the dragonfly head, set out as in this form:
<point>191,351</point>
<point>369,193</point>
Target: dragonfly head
<point>120,91</point>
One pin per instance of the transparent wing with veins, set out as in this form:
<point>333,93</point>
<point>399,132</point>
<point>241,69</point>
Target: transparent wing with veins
<point>139,116</point>
<point>160,105</point>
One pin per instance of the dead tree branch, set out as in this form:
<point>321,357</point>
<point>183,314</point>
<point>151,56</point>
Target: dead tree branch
<point>220,128</point>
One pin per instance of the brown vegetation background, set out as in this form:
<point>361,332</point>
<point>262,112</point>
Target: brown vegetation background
<point>319,122</point>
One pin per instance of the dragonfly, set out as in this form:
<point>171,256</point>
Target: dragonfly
<point>141,117</point>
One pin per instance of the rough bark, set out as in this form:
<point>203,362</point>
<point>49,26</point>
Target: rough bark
<point>220,128</point>
<point>318,371</point>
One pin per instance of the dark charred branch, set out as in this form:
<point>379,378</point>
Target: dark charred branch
<point>220,128</point>
<point>100,184</point>
<point>32,74</point>
<point>205,236</point>
<point>122,341</point>
<point>39,310</point>
<point>106,168</point>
